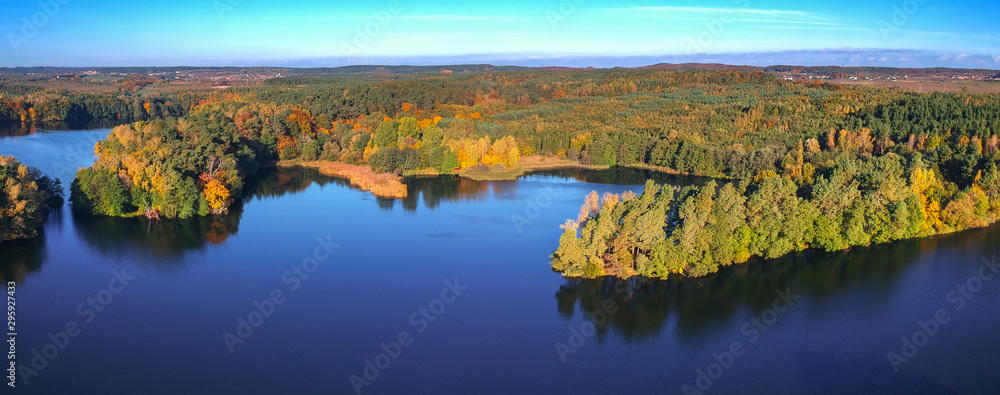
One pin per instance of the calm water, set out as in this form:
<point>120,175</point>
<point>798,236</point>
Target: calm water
<point>514,326</point>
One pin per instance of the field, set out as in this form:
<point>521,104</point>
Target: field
<point>930,85</point>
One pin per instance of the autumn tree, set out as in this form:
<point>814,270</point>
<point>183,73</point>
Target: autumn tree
<point>25,196</point>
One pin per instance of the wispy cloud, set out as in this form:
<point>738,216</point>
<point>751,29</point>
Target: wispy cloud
<point>727,15</point>
<point>927,33</point>
<point>996,59</point>
<point>986,36</point>
<point>453,18</point>
<point>710,10</point>
<point>851,28</point>
<point>960,57</point>
<point>847,28</point>
<point>796,22</point>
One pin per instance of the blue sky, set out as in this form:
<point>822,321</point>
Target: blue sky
<point>539,32</point>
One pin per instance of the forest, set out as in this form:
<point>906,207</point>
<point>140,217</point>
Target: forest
<point>848,165</point>
<point>695,230</point>
<point>25,198</point>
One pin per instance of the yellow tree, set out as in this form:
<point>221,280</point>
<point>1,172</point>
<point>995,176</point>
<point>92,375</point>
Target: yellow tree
<point>503,152</point>
<point>925,185</point>
<point>217,196</point>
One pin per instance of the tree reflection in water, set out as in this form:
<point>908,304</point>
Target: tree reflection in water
<point>21,258</point>
<point>700,305</point>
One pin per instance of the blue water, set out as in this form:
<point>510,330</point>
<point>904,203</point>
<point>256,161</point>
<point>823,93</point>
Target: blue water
<point>497,330</point>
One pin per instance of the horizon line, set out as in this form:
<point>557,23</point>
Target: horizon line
<point>498,65</point>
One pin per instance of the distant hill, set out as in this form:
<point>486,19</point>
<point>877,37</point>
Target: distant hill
<point>872,71</point>
<point>390,69</point>
<point>824,70</point>
<point>134,70</point>
<point>833,71</point>
<point>700,66</point>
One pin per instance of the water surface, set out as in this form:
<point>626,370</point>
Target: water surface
<point>196,280</point>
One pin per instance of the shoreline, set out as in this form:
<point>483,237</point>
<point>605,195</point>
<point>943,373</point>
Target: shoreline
<point>389,186</point>
<point>366,178</point>
<point>529,164</point>
<point>379,184</point>
<point>757,260</point>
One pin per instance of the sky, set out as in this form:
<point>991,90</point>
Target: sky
<point>915,33</point>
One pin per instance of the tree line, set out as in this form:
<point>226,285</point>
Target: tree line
<point>695,230</point>
<point>196,165</point>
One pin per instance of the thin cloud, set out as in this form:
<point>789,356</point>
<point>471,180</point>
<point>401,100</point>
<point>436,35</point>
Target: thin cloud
<point>996,59</point>
<point>786,27</point>
<point>985,36</point>
<point>817,23</point>
<point>452,18</point>
<point>960,57</point>
<point>929,33</point>
<point>849,28</point>
<point>709,10</point>
<point>727,15</point>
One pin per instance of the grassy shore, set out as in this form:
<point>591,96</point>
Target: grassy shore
<point>421,173</point>
<point>529,163</point>
<point>667,170</point>
<point>391,186</point>
<point>379,184</point>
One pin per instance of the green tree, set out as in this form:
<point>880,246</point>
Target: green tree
<point>385,134</point>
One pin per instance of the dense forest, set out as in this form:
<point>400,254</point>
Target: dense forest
<point>695,230</point>
<point>196,165</point>
<point>25,197</point>
<point>29,104</point>
<point>846,165</point>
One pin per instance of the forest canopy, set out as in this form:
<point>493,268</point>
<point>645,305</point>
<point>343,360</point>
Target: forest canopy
<point>26,196</point>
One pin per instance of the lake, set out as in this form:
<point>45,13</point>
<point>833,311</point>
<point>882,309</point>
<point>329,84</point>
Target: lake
<point>311,282</point>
